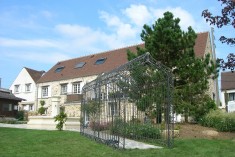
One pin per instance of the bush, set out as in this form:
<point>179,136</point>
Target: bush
<point>203,108</point>
<point>20,115</point>
<point>41,110</point>
<point>12,121</point>
<point>97,126</point>
<point>220,120</point>
<point>61,118</point>
<point>135,130</point>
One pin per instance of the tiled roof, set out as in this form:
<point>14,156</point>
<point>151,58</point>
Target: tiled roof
<point>114,59</point>
<point>200,44</point>
<point>36,75</point>
<point>6,94</point>
<point>227,80</point>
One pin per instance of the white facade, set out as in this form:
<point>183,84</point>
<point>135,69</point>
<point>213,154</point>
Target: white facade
<point>231,101</point>
<point>24,87</point>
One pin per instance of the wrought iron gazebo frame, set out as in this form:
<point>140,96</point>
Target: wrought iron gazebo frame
<point>133,101</point>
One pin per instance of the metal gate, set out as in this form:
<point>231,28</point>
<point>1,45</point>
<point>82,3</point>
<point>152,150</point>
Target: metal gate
<point>133,101</point>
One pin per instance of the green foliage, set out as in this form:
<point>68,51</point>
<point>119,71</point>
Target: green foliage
<point>42,102</point>
<point>41,110</point>
<point>202,108</point>
<point>12,121</point>
<point>91,108</point>
<point>220,120</point>
<point>135,130</point>
<point>167,43</point>
<point>20,115</point>
<point>61,118</point>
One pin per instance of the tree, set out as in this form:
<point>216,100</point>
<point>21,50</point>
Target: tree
<point>227,18</point>
<point>174,48</point>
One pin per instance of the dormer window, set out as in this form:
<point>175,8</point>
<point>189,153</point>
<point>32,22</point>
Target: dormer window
<point>59,69</point>
<point>100,61</point>
<point>80,65</point>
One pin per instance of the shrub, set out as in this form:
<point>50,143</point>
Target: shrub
<point>135,130</point>
<point>97,126</point>
<point>41,110</point>
<point>220,120</point>
<point>61,118</point>
<point>203,107</point>
<point>20,115</point>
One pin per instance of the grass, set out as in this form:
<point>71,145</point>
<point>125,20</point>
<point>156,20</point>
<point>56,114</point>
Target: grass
<point>38,143</point>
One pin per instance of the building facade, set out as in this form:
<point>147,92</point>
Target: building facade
<point>61,86</point>
<point>8,103</point>
<point>24,86</point>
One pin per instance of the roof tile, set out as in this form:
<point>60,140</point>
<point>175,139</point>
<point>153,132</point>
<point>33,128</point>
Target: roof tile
<point>115,58</point>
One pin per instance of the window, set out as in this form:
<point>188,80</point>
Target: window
<point>15,107</point>
<point>100,61</point>
<point>17,88</point>
<point>102,96</point>
<point>45,91</point>
<point>30,107</point>
<point>113,109</point>
<point>63,88</point>
<point>7,107</point>
<point>59,69</point>
<point>28,87</point>
<point>80,65</point>
<point>76,88</point>
<point>231,96</point>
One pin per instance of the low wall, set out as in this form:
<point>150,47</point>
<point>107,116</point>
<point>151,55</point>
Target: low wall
<point>48,123</point>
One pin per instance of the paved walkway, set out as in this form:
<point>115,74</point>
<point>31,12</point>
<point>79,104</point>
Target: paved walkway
<point>129,144</point>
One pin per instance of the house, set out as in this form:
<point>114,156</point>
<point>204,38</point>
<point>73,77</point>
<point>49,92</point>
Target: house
<point>228,91</point>
<point>24,86</point>
<point>61,85</point>
<point>8,103</point>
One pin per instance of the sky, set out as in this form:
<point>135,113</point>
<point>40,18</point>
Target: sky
<point>37,34</point>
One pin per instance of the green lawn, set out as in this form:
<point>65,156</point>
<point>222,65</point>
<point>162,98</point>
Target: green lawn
<point>37,143</point>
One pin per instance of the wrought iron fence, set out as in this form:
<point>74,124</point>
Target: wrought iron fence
<point>134,101</point>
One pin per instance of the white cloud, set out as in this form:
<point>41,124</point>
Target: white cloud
<point>186,19</point>
<point>5,42</point>
<point>122,30</point>
<point>73,31</point>
<point>139,14</point>
<point>38,57</point>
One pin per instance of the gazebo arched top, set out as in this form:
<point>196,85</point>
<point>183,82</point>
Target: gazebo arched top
<point>145,59</point>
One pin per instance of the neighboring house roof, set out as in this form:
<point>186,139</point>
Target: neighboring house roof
<point>36,75</point>
<point>227,80</point>
<point>66,69</point>
<point>6,94</point>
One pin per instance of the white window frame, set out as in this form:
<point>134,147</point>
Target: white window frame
<point>76,87</point>
<point>45,91</point>
<point>28,87</point>
<point>17,88</point>
<point>231,96</point>
<point>64,88</point>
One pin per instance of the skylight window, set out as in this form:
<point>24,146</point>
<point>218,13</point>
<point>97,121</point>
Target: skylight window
<point>100,61</point>
<point>80,65</point>
<point>59,69</point>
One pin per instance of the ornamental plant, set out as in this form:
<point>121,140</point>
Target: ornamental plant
<point>61,118</point>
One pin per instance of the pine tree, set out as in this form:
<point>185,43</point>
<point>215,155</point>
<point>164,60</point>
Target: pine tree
<point>167,43</point>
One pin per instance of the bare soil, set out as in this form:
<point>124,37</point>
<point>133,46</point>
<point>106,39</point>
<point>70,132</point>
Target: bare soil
<point>198,131</point>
